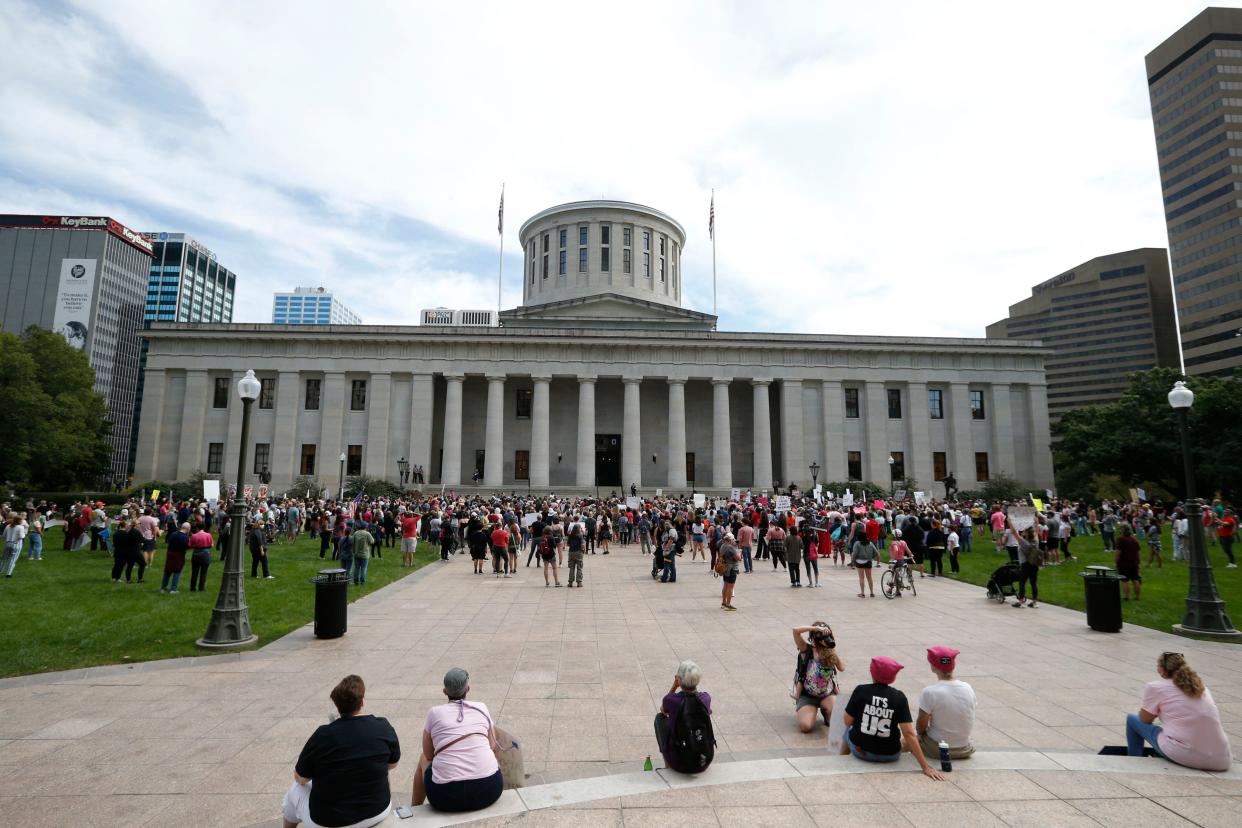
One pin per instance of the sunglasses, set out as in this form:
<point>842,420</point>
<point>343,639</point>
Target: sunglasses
<point>1164,659</point>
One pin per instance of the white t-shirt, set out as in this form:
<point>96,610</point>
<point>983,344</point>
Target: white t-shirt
<point>952,542</point>
<point>15,534</point>
<point>952,708</point>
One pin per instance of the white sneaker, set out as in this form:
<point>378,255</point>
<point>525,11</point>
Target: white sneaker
<point>269,577</point>
<point>1231,566</point>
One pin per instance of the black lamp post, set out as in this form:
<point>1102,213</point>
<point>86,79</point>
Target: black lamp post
<point>230,619</point>
<point>403,471</point>
<point>341,497</point>
<point>814,475</point>
<point>1205,611</point>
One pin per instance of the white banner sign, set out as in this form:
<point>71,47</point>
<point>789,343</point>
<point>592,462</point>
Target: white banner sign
<point>782,503</point>
<point>529,518</point>
<point>920,498</point>
<point>699,500</point>
<point>1023,517</point>
<point>73,301</point>
<point>734,494</point>
<point>847,499</point>
<point>659,493</point>
<point>211,490</point>
<point>633,503</point>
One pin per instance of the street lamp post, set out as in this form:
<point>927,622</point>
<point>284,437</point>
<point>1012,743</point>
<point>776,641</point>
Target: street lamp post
<point>341,497</point>
<point>814,475</point>
<point>892,467</point>
<point>403,471</point>
<point>1205,611</point>
<point>230,619</point>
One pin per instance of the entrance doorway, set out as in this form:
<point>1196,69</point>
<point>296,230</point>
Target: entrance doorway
<point>608,459</point>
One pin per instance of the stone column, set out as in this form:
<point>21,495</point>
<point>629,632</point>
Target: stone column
<point>677,433</point>
<point>451,474</point>
<point>918,445</point>
<point>1041,435</point>
<point>539,436</point>
<point>332,425</point>
<point>722,441</point>
<point>422,412</point>
<point>288,404</point>
<point>875,410</point>
<point>1003,458</point>
<point>793,457</point>
<point>147,456</point>
<point>833,412</point>
<point>376,461</point>
<point>494,437</point>
<point>197,398</point>
<point>763,435</point>
<point>631,434</point>
<point>962,457</point>
<point>586,432</point>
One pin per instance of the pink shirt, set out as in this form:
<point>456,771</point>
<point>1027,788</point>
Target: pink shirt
<point>147,526</point>
<point>745,535</point>
<point>1192,734</point>
<point>472,757</point>
<point>897,550</point>
<point>998,521</point>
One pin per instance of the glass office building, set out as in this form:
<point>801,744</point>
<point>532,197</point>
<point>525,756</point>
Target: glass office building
<point>186,282</point>
<point>311,306</point>
<point>1195,83</point>
<point>1103,320</point>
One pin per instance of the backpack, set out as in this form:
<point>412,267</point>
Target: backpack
<point>693,743</point>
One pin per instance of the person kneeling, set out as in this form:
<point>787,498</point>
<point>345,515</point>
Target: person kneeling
<point>341,778</point>
<point>683,727</point>
<point>946,708</point>
<point>871,714</point>
<point>458,770</point>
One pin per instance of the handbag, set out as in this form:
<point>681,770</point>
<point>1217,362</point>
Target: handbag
<point>721,566</point>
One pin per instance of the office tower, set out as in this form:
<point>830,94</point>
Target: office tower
<point>187,283</point>
<point>1195,82</point>
<point>1103,320</point>
<point>311,306</point>
<point>85,277</point>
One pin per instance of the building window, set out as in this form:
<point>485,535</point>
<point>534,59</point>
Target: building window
<point>307,466</point>
<point>521,465</point>
<point>560,267</point>
<point>524,397</point>
<point>938,466</point>
<point>262,457</point>
<point>546,246</point>
<point>981,466</point>
<point>563,236</point>
<point>312,395</point>
<point>894,403</point>
<point>646,240</point>
<point>976,405</point>
<point>532,263</point>
<point>690,466</point>
<point>853,464</point>
<point>626,264</point>
<point>851,404</point>
<point>353,461</point>
<point>935,403</point>
<point>215,457</point>
<point>480,459</point>
<point>647,265</point>
<point>661,270</point>
<point>897,468</point>
<point>627,236</point>
<point>663,241</point>
<point>545,265</point>
<point>220,399</point>
<point>267,392</point>
<point>582,260</point>
<point>605,234</point>
<point>604,263</point>
<point>582,234</point>
<point>358,396</point>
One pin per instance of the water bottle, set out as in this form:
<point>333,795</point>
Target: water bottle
<point>946,763</point>
<point>647,765</point>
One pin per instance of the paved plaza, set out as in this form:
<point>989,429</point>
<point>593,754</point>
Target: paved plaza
<point>576,675</point>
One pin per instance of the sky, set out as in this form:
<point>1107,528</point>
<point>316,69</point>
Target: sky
<point>904,168</point>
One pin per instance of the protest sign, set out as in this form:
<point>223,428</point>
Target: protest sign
<point>529,519</point>
<point>1038,504</point>
<point>155,494</point>
<point>247,492</point>
<point>847,499</point>
<point>633,503</point>
<point>782,503</point>
<point>262,491</point>
<point>879,504</point>
<point>211,489</point>
<point>699,500</point>
<point>1023,517</point>
<point>920,498</point>
<point>659,493</point>
<point>899,494</point>
<point>734,494</point>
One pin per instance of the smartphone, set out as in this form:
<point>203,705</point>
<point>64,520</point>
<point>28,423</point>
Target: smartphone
<point>404,812</point>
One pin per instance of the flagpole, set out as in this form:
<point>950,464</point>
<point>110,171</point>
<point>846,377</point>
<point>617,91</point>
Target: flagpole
<point>713,234</point>
<point>500,276</point>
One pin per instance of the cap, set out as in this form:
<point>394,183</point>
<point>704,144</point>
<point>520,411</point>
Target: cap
<point>884,670</point>
<point>942,658</point>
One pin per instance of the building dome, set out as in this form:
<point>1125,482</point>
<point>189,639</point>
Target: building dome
<point>587,248</point>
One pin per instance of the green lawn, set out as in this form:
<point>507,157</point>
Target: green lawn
<point>1164,589</point>
<point>64,612</point>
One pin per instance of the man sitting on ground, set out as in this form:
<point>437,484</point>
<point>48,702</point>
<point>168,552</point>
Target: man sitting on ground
<point>341,778</point>
<point>877,720</point>
<point>946,708</point>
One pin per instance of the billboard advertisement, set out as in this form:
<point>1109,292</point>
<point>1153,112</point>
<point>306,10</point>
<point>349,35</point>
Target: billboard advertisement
<point>73,301</point>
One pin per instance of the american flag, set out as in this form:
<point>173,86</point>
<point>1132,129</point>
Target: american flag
<point>711,217</point>
<point>500,219</point>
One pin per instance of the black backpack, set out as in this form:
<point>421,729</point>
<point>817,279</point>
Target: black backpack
<point>693,741</point>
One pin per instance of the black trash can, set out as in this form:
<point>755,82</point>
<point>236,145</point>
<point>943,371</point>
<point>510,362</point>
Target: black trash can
<point>331,600</point>
<point>1103,589</point>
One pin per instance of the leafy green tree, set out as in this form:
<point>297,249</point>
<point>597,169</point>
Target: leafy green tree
<point>55,425</point>
<point>1137,439</point>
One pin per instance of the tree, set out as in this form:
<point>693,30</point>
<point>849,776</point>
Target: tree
<point>1137,439</point>
<point>55,424</point>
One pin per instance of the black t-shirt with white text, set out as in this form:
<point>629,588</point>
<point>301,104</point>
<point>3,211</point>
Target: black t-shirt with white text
<point>878,710</point>
<point>348,761</point>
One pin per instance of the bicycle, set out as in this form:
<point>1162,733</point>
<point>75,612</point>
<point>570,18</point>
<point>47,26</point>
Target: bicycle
<point>896,579</point>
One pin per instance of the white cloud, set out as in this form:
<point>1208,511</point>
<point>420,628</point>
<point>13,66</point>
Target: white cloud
<point>916,167</point>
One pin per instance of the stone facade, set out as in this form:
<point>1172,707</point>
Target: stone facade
<point>595,383</point>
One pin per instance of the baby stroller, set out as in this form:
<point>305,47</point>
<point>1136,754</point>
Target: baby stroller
<point>1003,583</point>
